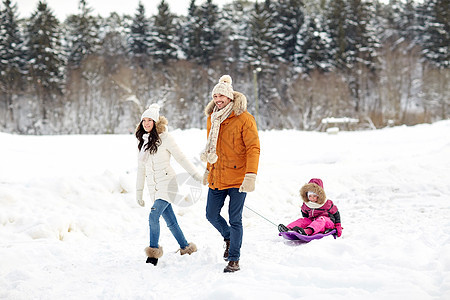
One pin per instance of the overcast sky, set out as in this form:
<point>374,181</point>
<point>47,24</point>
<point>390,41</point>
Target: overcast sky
<point>63,8</point>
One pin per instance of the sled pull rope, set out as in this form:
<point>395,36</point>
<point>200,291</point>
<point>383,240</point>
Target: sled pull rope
<point>261,216</point>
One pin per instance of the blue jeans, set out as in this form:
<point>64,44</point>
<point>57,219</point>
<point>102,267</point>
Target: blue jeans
<point>164,208</point>
<point>234,231</point>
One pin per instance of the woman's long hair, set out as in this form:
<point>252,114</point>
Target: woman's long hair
<point>154,141</point>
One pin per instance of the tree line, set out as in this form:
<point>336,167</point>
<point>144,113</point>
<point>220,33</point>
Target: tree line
<point>297,61</point>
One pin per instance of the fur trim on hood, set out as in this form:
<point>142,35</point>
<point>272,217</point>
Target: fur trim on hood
<point>161,125</point>
<point>315,185</point>
<point>239,104</point>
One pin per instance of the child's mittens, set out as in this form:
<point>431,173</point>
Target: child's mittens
<point>338,229</point>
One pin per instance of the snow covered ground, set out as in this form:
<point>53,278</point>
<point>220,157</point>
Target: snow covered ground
<point>70,227</point>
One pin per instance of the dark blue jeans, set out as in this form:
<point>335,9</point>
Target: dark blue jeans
<point>234,231</point>
<point>164,209</point>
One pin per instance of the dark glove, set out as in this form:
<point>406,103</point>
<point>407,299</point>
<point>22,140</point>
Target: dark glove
<point>338,229</point>
<point>282,228</point>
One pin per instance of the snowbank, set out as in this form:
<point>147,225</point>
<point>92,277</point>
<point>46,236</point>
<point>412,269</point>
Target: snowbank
<point>70,227</point>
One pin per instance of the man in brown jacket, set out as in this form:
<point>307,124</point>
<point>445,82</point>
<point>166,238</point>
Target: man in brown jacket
<point>232,156</point>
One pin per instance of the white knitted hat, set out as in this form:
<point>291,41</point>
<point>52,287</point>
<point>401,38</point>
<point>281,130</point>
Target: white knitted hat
<point>310,194</point>
<point>152,112</point>
<point>224,87</point>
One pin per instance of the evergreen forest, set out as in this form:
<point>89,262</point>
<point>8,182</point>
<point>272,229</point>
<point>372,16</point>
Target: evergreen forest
<point>297,61</point>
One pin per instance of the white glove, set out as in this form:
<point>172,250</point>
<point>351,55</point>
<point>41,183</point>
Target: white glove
<point>248,185</point>
<point>139,198</point>
<point>205,177</point>
<point>198,177</point>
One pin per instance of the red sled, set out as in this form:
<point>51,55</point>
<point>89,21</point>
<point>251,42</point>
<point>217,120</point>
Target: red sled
<point>295,236</point>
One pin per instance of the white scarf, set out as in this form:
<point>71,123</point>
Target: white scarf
<point>143,155</point>
<point>313,205</point>
<point>217,117</point>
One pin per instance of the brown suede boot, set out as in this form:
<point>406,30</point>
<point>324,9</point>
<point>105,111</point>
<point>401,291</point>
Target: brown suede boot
<point>153,254</point>
<point>191,248</point>
<point>227,250</point>
<point>232,266</point>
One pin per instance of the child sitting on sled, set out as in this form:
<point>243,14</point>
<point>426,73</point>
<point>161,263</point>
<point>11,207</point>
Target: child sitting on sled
<point>319,214</point>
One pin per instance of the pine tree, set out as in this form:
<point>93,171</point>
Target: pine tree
<point>190,33</point>
<point>406,19</point>
<point>434,38</point>
<point>201,36</point>
<point>263,59</point>
<point>262,50</point>
<point>396,20</point>
<point>138,40</point>
<point>313,51</point>
<point>210,34</point>
<point>12,55</point>
<point>353,38</point>
<point>336,23</point>
<point>82,39</point>
<point>44,50</point>
<point>163,45</point>
<point>435,35</point>
<point>235,33</point>
<point>289,16</point>
<point>115,37</point>
<point>354,43</point>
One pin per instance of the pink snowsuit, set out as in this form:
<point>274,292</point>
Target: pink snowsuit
<point>318,219</point>
<point>321,218</point>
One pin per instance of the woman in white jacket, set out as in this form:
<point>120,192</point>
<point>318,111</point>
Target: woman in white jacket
<point>156,146</point>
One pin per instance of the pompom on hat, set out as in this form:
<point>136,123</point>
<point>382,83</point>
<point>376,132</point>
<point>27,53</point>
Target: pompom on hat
<point>152,112</point>
<point>224,87</point>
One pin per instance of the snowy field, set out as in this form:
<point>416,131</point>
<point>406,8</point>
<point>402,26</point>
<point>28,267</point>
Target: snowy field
<point>70,227</point>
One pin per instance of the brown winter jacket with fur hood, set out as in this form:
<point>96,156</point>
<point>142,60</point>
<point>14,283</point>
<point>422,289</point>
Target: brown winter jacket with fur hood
<point>237,146</point>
